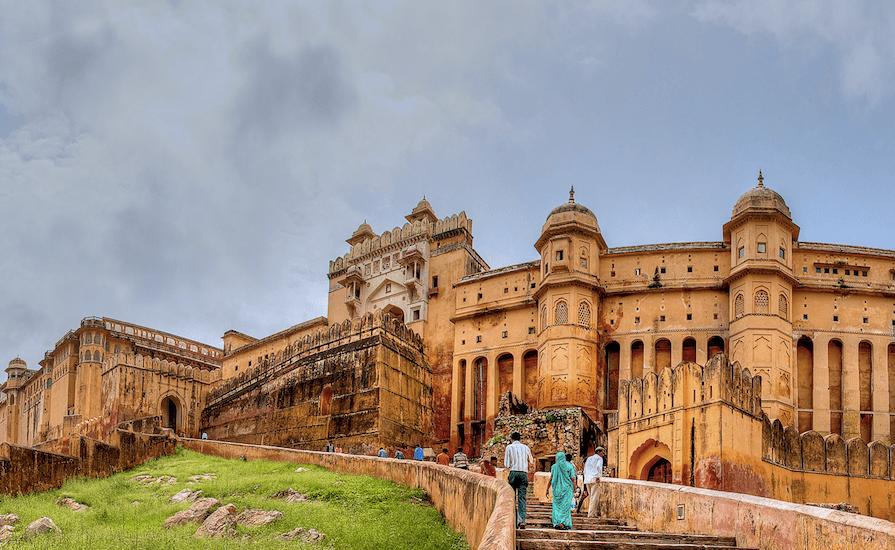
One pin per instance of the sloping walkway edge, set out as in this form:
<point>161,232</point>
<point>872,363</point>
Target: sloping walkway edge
<point>479,507</point>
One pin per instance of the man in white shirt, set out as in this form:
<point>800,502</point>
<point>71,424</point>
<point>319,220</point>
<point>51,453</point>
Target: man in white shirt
<point>593,470</point>
<point>518,459</point>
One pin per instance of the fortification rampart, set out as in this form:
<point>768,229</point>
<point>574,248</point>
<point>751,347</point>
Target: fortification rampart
<point>361,384</point>
<point>28,469</point>
<point>708,425</point>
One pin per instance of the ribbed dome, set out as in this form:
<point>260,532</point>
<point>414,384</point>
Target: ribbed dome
<point>17,363</point>
<point>572,212</point>
<point>363,228</point>
<point>761,198</point>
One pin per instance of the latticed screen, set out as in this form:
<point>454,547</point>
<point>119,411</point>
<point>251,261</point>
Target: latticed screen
<point>761,301</point>
<point>584,314</point>
<point>562,313</point>
<point>739,305</point>
<point>782,305</point>
<point>543,317</point>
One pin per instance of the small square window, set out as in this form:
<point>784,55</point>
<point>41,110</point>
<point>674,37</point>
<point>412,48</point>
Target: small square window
<point>804,270</point>
<point>741,251</point>
<point>637,320</point>
<point>782,252</point>
<point>559,255</point>
<point>805,317</point>
<point>661,317</point>
<point>583,263</point>
<point>848,271</point>
<point>762,248</point>
<point>504,335</point>
<point>863,274</point>
<point>817,270</point>
<point>435,281</point>
<point>416,315</point>
<point>637,271</point>
<point>506,291</point>
<point>388,287</point>
<point>689,269</point>
<point>662,270</point>
<point>532,285</point>
<point>479,296</point>
<point>611,321</point>
<point>612,274</point>
<point>716,268</point>
<point>462,342</point>
<point>464,298</point>
<point>866,320</point>
<point>515,289</point>
<point>716,316</point>
<point>835,318</point>
<point>531,330</point>
<point>689,316</point>
<point>893,322</point>
<point>835,271</point>
<point>478,339</point>
<point>826,270</point>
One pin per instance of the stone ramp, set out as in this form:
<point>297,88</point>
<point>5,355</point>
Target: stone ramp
<point>605,534</point>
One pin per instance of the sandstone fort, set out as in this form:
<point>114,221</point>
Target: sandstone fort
<point>756,363</point>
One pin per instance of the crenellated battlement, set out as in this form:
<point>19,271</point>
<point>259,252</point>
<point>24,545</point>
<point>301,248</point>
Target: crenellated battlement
<point>688,385</point>
<point>401,235</point>
<point>162,367</point>
<point>813,452</point>
<point>334,336</point>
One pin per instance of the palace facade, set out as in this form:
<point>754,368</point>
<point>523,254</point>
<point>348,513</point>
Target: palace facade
<point>814,320</point>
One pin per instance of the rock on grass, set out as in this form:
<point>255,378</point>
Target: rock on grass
<point>71,504</point>
<point>186,495</point>
<point>194,514</point>
<point>254,517</point>
<point>308,535</point>
<point>219,524</point>
<point>41,526</point>
<point>8,519</point>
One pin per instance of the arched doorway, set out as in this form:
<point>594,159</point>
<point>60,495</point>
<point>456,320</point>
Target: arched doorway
<point>660,471</point>
<point>170,410</point>
<point>395,312</point>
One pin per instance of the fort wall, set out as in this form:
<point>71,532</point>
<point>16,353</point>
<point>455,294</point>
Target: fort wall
<point>361,384</point>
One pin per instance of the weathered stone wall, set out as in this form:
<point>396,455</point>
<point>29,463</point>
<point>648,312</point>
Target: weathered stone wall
<point>27,469</point>
<point>709,420</point>
<point>480,507</point>
<point>755,522</point>
<point>360,385</point>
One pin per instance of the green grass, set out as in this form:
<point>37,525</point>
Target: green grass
<point>355,512</point>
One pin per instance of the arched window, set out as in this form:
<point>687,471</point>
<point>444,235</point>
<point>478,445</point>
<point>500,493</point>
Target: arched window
<point>326,399</point>
<point>761,302</point>
<point>584,314</point>
<point>739,306</point>
<point>543,317</point>
<point>582,261</point>
<point>561,316</point>
<point>89,339</point>
<point>783,305</point>
<point>96,356</point>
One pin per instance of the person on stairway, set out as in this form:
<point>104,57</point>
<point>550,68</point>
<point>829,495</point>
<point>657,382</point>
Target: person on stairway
<point>518,460</point>
<point>563,480</point>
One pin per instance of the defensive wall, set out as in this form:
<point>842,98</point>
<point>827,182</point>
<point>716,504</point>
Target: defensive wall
<point>479,507</point>
<point>28,469</point>
<point>361,384</point>
<point>707,422</point>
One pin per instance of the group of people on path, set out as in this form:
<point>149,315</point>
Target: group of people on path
<point>399,454</point>
<point>563,482</point>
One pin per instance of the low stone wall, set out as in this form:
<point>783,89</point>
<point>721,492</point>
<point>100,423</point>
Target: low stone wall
<point>26,470</point>
<point>482,508</point>
<point>755,521</point>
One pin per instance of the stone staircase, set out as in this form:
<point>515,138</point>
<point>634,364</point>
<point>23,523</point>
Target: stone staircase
<point>605,534</point>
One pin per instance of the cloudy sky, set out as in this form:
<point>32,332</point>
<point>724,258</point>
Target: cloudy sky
<point>193,167</point>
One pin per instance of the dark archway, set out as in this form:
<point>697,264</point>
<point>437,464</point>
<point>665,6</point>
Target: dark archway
<point>660,471</point>
<point>171,412</point>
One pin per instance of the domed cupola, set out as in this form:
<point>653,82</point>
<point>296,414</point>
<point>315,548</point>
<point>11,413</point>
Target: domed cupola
<point>364,232</point>
<point>761,199</point>
<point>570,216</point>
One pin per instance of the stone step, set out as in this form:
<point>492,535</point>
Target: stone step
<point>543,544</point>
<point>637,536</point>
<point>591,524</point>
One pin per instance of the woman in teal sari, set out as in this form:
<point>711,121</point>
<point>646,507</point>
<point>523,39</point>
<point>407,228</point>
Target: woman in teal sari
<point>562,481</point>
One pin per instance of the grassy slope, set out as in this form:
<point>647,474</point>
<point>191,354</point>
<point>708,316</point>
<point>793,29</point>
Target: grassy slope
<point>353,511</point>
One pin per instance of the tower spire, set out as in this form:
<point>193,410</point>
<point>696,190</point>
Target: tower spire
<point>572,194</point>
<point>760,179</point>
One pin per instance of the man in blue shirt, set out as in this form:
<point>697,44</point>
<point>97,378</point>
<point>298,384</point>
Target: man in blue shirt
<point>399,454</point>
<point>382,453</point>
<point>418,453</point>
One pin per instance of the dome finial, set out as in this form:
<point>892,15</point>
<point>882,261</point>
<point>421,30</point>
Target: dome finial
<point>760,179</point>
<point>572,195</point>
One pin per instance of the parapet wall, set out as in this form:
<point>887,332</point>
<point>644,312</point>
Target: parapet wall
<point>756,522</point>
<point>481,508</point>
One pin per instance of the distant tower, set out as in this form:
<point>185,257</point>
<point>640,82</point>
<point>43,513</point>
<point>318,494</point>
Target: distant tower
<point>568,307</point>
<point>16,373</point>
<point>761,234</point>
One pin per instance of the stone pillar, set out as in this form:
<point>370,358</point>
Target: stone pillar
<point>851,395</point>
<point>702,348</point>
<point>821,399</point>
<point>880,391</point>
<point>624,360</point>
<point>493,388</point>
<point>677,349</point>
<point>519,373</point>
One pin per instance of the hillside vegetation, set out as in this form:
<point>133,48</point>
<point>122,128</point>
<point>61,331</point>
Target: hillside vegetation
<point>127,511</point>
